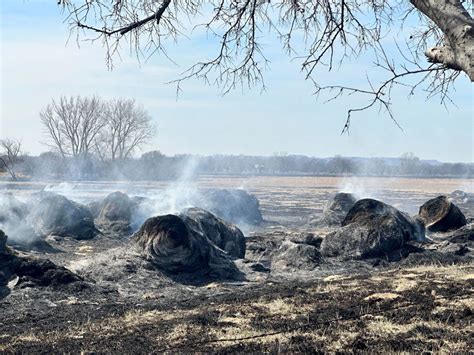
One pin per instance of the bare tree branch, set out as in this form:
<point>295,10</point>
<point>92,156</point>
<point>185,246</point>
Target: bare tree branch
<point>318,33</point>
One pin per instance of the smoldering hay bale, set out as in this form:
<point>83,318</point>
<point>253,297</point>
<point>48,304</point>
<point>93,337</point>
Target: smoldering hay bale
<point>3,242</point>
<point>371,229</point>
<point>6,261</point>
<point>291,256</point>
<point>94,208</point>
<point>222,233</point>
<point>173,244</point>
<point>117,206</point>
<point>441,215</point>
<point>458,195</point>
<point>13,220</point>
<point>236,206</point>
<point>53,214</point>
<point>335,210</point>
<point>12,210</point>
<point>114,213</point>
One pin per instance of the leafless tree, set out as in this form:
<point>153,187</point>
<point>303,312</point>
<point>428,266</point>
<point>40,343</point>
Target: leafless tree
<point>72,124</point>
<point>11,156</point>
<point>332,31</point>
<point>128,127</point>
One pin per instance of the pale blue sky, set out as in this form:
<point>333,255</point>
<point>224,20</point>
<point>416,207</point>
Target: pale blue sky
<point>37,65</point>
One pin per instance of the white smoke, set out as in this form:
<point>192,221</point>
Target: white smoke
<point>180,194</point>
<point>359,187</point>
<point>13,220</point>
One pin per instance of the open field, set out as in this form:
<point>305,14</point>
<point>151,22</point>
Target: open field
<point>417,304</point>
<point>288,199</point>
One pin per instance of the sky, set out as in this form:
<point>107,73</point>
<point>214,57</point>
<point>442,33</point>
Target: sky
<point>38,63</point>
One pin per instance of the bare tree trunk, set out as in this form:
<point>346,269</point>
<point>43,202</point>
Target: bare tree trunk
<point>458,27</point>
<point>12,153</point>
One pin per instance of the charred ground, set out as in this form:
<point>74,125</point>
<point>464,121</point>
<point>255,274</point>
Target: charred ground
<point>422,302</point>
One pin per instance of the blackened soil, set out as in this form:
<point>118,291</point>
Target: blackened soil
<point>425,308</point>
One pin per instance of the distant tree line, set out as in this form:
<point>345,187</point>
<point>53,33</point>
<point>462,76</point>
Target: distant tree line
<point>156,166</point>
<point>95,139</point>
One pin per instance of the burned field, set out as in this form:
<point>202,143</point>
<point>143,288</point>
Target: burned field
<point>289,266</point>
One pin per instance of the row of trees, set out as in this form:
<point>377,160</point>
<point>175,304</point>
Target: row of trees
<point>82,126</point>
<point>156,166</point>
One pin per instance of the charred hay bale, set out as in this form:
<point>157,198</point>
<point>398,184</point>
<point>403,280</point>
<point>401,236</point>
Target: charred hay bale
<point>54,214</point>
<point>465,202</point>
<point>222,233</point>
<point>115,214</point>
<point>335,210</point>
<point>12,210</point>
<point>117,206</point>
<point>6,268</point>
<point>173,245</point>
<point>441,215</point>
<point>458,195</point>
<point>236,206</point>
<point>292,256</point>
<point>3,242</point>
<point>94,208</point>
<point>371,229</point>
<point>7,261</point>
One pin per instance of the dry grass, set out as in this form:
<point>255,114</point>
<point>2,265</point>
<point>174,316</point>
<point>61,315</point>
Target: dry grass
<point>261,322</point>
<point>403,284</point>
<point>382,296</point>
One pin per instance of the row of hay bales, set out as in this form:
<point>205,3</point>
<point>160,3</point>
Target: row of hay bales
<point>197,241</point>
<point>370,228</point>
<point>117,214</point>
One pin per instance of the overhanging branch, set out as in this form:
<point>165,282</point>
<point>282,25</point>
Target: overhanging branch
<point>124,30</point>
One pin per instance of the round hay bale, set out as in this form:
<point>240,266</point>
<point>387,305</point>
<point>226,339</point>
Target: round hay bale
<point>3,242</point>
<point>458,194</point>
<point>56,215</point>
<point>335,210</point>
<point>371,229</point>
<point>173,245</point>
<point>117,206</point>
<point>340,203</point>
<point>236,206</point>
<point>441,215</point>
<point>223,234</point>
<point>167,242</point>
<point>94,208</point>
<point>12,210</point>
<point>7,261</point>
